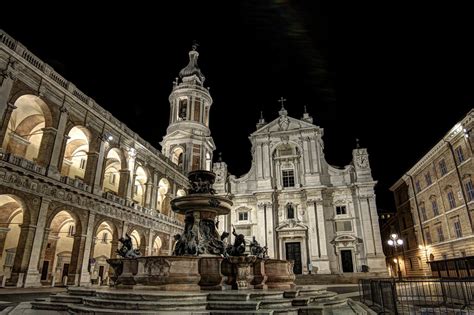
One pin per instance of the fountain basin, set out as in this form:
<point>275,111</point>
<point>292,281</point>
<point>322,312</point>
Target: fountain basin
<point>166,273</point>
<point>216,205</point>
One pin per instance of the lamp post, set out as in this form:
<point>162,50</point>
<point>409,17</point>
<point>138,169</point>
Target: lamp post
<point>395,241</point>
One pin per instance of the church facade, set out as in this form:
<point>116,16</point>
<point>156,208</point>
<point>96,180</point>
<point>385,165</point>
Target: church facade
<point>299,206</point>
<point>294,202</point>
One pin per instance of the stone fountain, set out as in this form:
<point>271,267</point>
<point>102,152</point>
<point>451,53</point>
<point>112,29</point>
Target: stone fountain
<point>195,278</point>
<point>201,258</point>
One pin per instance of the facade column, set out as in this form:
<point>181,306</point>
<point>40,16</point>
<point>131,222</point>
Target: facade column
<point>25,269</point>
<point>53,168</point>
<point>95,161</point>
<point>148,190</point>
<point>43,248</point>
<point>79,274</point>
<point>266,160</point>
<point>7,114</point>
<point>123,183</point>
<point>323,262</point>
<point>131,182</point>
<point>149,248</point>
<point>154,191</point>
<point>8,78</point>
<point>47,143</point>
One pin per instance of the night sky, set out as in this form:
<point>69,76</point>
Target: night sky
<point>407,73</point>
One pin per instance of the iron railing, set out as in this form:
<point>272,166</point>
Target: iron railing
<point>418,295</point>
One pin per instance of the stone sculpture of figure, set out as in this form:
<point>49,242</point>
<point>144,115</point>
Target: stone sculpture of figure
<point>238,248</point>
<point>178,246</point>
<point>127,250</point>
<point>257,250</point>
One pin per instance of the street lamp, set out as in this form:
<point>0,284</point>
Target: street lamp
<point>395,241</point>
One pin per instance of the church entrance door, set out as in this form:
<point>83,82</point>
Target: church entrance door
<point>346,260</point>
<point>293,252</point>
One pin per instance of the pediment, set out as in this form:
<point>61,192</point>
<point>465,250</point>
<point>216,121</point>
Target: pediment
<point>291,225</point>
<point>282,124</point>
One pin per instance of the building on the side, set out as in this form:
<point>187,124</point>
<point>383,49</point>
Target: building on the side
<point>74,179</point>
<point>434,203</point>
<point>299,206</point>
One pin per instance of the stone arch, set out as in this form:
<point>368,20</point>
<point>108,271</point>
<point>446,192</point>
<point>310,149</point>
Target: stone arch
<point>104,246</point>
<point>114,163</point>
<point>157,244</point>
<point>139,238</point>
<point>24,135</point>
<point>76,152</point>
<point>177,155</point>
<point>12,217</point>
<point>164,187</point>
<point>141,179</point>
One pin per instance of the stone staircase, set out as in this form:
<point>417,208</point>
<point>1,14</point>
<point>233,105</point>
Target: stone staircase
<point>346,278</point>
<point>301,300</point>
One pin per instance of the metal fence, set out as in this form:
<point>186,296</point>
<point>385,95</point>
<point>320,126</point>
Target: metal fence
<point>418,296</point>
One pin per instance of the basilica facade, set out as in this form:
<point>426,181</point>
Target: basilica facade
<point>299,206</point>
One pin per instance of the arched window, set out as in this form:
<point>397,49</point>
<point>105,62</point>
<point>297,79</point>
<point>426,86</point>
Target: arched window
<point>177,156</point>
<point>75,155</point>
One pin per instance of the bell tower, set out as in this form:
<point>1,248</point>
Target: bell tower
<point>188,142</point>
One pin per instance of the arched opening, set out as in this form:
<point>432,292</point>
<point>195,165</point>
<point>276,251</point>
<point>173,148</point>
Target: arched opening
<point>25,127</point>
<point>113,165</point>
<point>139,186</point>
<point>136,239</point>
<point>59,249</point>
<point>105,246</point>
<point>177,156</point>
<point>208,161</point>
<point>156,246</point>
<point>11,216</point>
<point>75,155</point>
<point>163,188</point>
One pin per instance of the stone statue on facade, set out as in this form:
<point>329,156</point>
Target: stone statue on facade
<point>127,250</point>
<point>257,250</point>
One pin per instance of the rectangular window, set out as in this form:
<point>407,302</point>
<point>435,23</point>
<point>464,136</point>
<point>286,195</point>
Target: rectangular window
<point>442,167</point>
<point>428,179</point>
<point>343,226</point>
<point>439,230</point>
<point>104,237</point>
<point>411,263</point>
<point>451,200</point>
<point>420,262</point>
<point>404,223</point>
<point>341,210</point>
<point>243,216</point>
<point>82,164</point>
<point>423,212</point>
<point>460,154</point>
<point>457,228</point>
<point>469,190</point>
<point>288,178</point>
<point>434,205</point>
<point>112,179</point>
<point>428,236</point>
<point>417,186</point>
<point>135,189</point>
